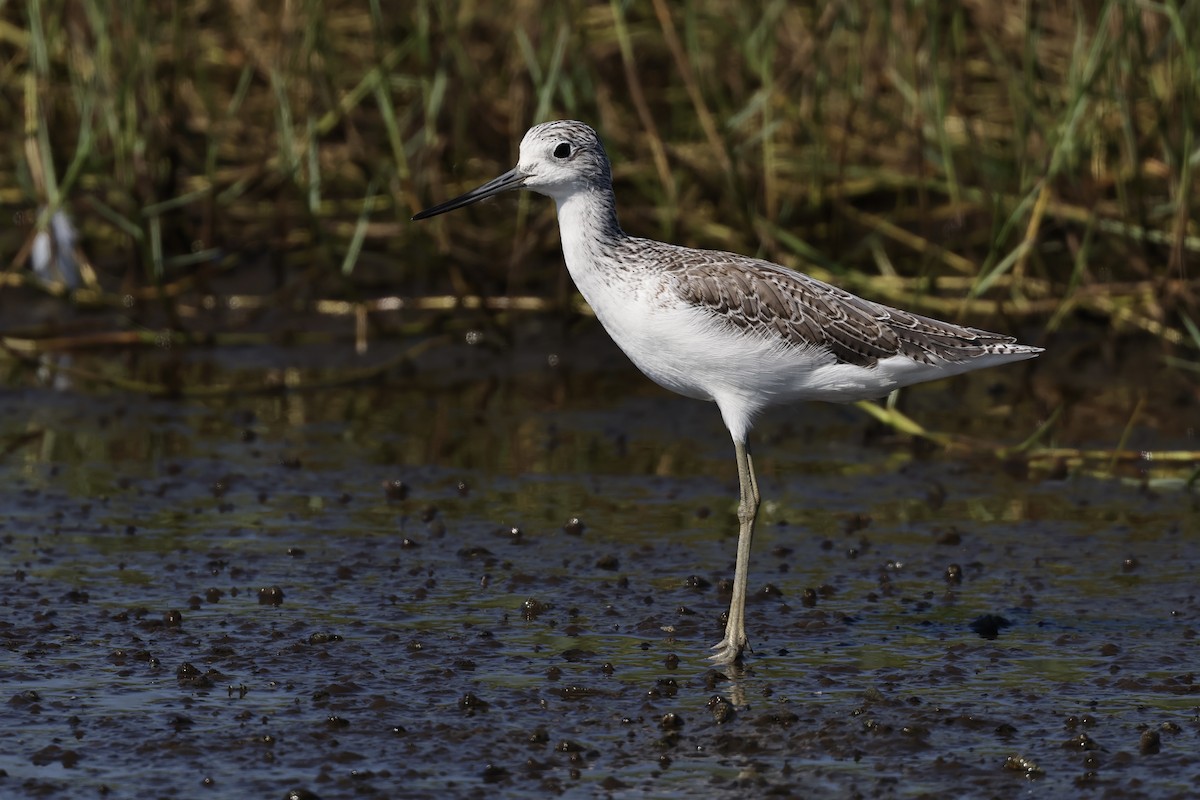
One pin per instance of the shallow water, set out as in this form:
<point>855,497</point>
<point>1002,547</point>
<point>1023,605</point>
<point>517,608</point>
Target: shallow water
<point>498,572</point>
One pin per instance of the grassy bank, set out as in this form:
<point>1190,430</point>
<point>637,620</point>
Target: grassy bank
<point>1038,158</point>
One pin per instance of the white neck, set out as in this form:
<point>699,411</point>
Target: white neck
<point>587,223</point>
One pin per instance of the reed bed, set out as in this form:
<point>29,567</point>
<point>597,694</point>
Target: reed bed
<point>1035,160</point>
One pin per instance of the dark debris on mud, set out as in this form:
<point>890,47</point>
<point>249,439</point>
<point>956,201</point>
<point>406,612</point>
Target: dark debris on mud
<point>369,604</point>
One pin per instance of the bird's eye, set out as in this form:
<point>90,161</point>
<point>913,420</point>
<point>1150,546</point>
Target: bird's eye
<point>563,150</point>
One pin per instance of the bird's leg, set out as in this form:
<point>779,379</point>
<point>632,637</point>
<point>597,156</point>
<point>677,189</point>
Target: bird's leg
<point>730,648</point>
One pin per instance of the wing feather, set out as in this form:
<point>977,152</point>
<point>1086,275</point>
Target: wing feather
<point>768,300</point>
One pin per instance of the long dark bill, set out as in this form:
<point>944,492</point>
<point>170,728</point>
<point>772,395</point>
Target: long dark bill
<point>513,179</point>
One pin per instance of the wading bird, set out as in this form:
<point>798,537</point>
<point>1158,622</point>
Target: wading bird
<point>744,333</point>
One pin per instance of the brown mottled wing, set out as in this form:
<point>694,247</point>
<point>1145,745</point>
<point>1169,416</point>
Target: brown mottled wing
<point>769,300</point>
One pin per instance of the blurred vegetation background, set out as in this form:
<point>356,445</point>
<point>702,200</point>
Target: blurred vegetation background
<point>1032,159</point>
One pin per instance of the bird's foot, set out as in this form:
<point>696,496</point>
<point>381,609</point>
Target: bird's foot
<point>727,652</point>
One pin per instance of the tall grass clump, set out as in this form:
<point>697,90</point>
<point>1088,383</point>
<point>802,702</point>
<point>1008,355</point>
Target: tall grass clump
<point>1038,158</point>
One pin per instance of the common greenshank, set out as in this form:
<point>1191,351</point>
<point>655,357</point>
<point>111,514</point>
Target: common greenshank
<point>744,333</point>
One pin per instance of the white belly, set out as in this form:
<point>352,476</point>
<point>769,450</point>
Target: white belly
<point>694,353</point>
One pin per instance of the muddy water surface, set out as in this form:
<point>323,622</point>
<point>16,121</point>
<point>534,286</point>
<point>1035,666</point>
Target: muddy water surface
<point>498,573</point>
